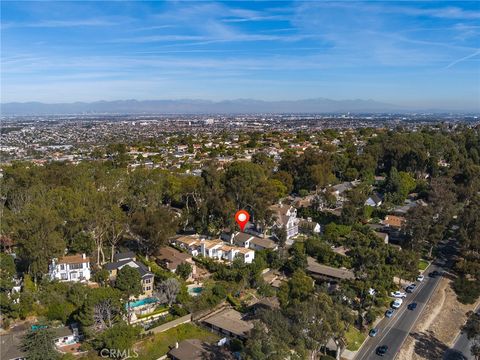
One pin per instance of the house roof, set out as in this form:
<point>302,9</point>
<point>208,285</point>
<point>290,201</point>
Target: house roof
<point>187,240</point>
<point>11,346</point>
<point>381,235</point>
<point>124,255</point>
<point>231,321</point>
<point>265,243</point>
<point>241,237</point>
<point>62,331</point>
<point>171,257</point>
<point>73,259</point>
<point>194,349</point>
<point>212,243</point>
<point>314,267</point>
<point>117,265</point>
<point>395,221</point>
<point>269,302</point>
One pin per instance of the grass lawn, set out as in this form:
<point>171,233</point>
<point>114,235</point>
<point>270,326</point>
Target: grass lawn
<point>422,264</point>
<point>159,344</point>
<point>354,339</point>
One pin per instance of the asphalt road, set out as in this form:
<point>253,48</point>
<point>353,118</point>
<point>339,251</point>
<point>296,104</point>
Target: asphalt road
<point>394,331</point>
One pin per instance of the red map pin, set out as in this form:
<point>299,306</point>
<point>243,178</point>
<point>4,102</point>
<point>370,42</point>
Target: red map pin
<point>242,217</point>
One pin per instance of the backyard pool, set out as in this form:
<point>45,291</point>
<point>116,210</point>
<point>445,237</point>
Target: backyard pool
<point>142,302</point>
<point>195,290</point>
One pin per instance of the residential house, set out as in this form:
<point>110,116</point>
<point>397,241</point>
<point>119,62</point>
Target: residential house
<point>307,226</point>
<point>393,221</point>
<point>229,322</point>
<point>285,216</point>
<point>147,277</point>
<point>194,349</point>
<point>373,200</point>
<point>383,236</point>
<point>70,268</point>
<point>170,258</point>
<point>191,243</point>
<point>10,348</point>
<point>10,343</point>
<point>258,243</point>
<point>328,273</point>
<point>211,248</point>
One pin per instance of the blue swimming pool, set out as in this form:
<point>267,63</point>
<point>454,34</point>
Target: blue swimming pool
<point>142,302</point>
<point>195,290</point>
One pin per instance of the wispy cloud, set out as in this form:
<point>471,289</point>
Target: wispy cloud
<point>62,23</point>
<point>453,63</point>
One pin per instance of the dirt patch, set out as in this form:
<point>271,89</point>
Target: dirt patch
<point>437,327</point>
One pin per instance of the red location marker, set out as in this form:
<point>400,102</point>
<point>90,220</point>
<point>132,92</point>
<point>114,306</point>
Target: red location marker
<point>242,217</point>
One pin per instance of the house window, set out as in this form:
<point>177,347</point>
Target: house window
<point>62,267</point>
<point>76,266</point>
<point>63,276</point>
<point>148,281</point>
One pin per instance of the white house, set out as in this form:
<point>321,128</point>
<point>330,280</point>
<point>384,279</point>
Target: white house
<point>285,216</point>
<point>70,268</point>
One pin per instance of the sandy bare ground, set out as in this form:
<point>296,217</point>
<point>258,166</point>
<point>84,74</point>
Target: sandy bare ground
<point>437,327</point>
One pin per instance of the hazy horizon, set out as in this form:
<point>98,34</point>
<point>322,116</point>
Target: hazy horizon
<point>415,55</point>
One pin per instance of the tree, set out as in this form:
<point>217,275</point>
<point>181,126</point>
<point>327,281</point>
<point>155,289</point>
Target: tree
<point>472,330</point>
<point>38,237</point>
<point>153,227</point>
<point>129,282</point>
<point>263,344</point>
<point>39,344</point>
<point>119,340</point>
<point>7,272</point>
<point>184,270</point>
<point>167,291</point>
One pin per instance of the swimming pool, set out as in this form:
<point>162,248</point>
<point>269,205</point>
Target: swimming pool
<point>142,302</point>
<point>194,291</point>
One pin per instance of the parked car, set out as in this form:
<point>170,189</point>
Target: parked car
<point>382,350</point>
<point>410,288</point>
<point>398,294</point>
<point>397,303</point>
<point>420,278</point>
<point>433,274</point>
<point>373,332</point>
<point>389,313</point>
<point>412,306</point>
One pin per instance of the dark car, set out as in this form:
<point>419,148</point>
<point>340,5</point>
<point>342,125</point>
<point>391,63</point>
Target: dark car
<point>434,274</point>
<point>382,350</point>
<point>412,306</point>
<point>389,313</point>
<point>373,332</point>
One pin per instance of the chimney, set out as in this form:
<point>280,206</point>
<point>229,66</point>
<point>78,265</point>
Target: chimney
<point>309,219</point>
<point>176,345</point>
<point>84,256</point>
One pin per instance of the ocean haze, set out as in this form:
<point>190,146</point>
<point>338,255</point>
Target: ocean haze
<point>189,106</point>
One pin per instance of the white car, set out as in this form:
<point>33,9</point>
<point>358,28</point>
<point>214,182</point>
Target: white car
<point>398,294</point>
<point>397,303</point>
<point>420,278</point>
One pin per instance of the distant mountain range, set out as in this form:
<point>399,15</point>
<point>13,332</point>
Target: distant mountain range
<point>187,106</point>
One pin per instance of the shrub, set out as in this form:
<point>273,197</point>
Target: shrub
<point>467,291</point>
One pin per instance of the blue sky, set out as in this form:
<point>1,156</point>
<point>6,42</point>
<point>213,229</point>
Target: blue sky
<point>417,54</point>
